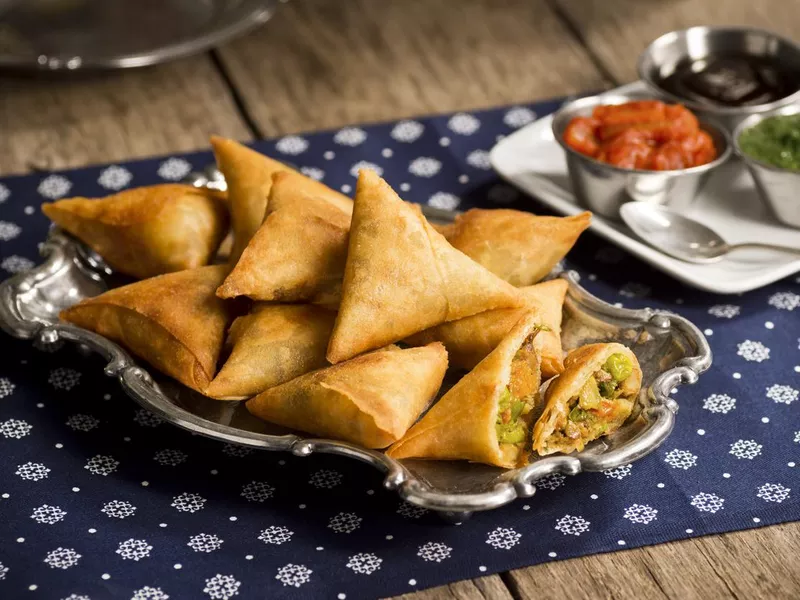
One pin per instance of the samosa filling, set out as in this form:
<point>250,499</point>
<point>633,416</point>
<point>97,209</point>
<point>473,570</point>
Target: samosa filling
<point>518,398</point>
<point>600,407</point>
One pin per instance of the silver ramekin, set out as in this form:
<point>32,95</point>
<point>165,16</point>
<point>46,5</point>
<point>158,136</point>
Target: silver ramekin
<point>660,58</point>
<point>604,188</point>
<point>779,188</point>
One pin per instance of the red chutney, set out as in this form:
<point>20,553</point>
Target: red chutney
<point>645,134</point>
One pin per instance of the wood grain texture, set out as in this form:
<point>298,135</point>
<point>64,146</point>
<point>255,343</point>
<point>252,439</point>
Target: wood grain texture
<point>756,564</point>
<point>325,63</point>
<point>53,123</point>
<point>485,588</point>
<point>618,30</point>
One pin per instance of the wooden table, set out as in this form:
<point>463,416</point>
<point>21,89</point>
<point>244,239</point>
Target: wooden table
<point>326,63</point>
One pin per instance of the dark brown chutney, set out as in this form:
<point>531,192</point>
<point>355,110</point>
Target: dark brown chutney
<point>731,80</point>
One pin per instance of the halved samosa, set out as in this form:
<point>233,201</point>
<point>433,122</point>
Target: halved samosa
<point>486,417</point>
<point>298,253</point>
<point>591,398</point>
<point>271,345</point>
<point>147,231</point>
<point>516,246</point>
<point>173,321</point>
<point>371,400</point>
<point>470,340</point>
<point>248,175</point>
<point>402,276</point>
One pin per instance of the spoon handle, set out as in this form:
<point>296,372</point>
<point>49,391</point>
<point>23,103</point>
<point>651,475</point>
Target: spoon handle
<point>759,245</point>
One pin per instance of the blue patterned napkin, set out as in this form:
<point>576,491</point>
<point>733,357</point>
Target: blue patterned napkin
<point>99,499</point>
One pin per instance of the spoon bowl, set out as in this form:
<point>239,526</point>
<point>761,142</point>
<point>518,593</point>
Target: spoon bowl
<point>681,237</point>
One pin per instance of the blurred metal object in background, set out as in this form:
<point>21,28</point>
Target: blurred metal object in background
<point>51,35</point>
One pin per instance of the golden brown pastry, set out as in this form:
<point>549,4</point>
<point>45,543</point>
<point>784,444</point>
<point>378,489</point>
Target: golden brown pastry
<point>298,253</point>
<point>470,340</point>
<point>272,345</point>
<point>401,276</point>
<point>517,246</point>
<point>173,321</point>
<point>591,398</point>
<point>147,231</point>
<point>486,417</point>
<point>370,400</point>
<point>248,175</point>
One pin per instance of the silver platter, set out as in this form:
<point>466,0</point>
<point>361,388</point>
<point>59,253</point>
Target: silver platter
<point>54,35</point>
<point>671,350</point>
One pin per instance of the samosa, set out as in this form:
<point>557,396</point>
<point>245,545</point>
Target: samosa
<point>298,253</point>
<point>517,246</point>
<point>592,398</point>
<point>173,321</point>
<point>147,231</point>
<point>248,175</point>
<point>486,417</point>
<point>370,400</point>
<point>402,277</point>
<point>271,345</point>
<point>470,340</point>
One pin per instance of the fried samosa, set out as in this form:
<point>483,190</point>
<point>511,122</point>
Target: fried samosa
<point>173,321</point>
<point>147,231</point>
<point>248,175</point>
<point>370,400</point>
<point>402,277</point>
<point>591,398</point>
<point>486,417</point>
<point>517,246</point>
<point>298,253</point>
<point>470,340</point>
<point>272,345</point>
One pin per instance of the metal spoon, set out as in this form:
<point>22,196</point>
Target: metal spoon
<point>681,237</point>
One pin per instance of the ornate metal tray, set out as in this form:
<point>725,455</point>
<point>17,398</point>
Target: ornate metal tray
<point>671,350</point>
<point>66,35</point>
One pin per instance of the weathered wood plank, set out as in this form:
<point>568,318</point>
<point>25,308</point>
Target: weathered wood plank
<point>751,564</point>
<point>68,121</point>
<point>485,588</point>
<point>322,63</point>
<point>618,30</point>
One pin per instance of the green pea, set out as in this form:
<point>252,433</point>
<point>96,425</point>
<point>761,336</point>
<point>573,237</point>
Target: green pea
<point>619,366</point>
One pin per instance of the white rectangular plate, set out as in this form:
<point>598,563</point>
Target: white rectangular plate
<point>532,160</point>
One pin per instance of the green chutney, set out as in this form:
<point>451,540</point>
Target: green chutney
<point>775,141</point>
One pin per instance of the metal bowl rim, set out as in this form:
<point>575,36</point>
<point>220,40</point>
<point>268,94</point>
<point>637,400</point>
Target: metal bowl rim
<point>722,111</point>
<point>590,101</point>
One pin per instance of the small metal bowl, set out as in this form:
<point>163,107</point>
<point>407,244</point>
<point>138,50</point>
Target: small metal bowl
<point>662,57</point>
<point>604,188</point>
<point>778,187</point>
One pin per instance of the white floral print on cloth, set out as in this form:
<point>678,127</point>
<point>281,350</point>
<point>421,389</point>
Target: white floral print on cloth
<point>32,471</point>
<point>364,563</point>
<point>114,178</point>
<point>174,169</point>
<point>7,387</point>
<point>54,187</point>
<point>503,538</point>
<point>16,264</point>
<point>407,131</point>
<point>9,231</point>
<point>434,552</point>
<point>444,201</point>
<point>365,164</point>
<point>291,145</point>
<point>88,472</point>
